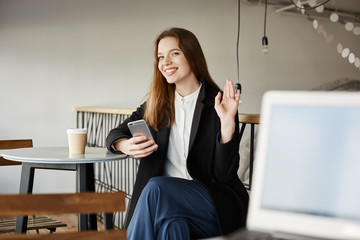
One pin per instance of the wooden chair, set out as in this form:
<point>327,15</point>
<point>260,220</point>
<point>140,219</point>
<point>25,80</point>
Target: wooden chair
<point>7,224</point>
<point>11,144</point>
<point>80,203</point>
<point>252,119</point>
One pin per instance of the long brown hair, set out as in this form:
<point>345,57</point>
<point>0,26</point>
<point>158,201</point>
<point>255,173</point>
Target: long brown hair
<point>160,100</point>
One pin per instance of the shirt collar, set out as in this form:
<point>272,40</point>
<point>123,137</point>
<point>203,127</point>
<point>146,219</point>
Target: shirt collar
<point>189,97</point>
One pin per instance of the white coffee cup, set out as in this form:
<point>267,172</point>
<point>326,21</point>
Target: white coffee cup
<point>77,140</point>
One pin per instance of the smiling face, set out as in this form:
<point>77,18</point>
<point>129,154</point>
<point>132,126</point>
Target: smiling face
<point>173,64</point>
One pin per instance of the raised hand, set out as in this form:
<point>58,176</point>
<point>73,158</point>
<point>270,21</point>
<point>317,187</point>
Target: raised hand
<point>226,109</point>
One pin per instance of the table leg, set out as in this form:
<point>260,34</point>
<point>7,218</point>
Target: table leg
<point>26,186</point>
<point>92,218</point>
<point>252,139</point>
<point>108,221</point>
<point>86,183</point>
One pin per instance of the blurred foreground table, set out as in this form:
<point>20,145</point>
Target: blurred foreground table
<point>58,158</point>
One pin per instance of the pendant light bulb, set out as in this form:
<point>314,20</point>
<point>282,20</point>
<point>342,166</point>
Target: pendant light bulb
<point>265,42</point>
<point>265,46</point>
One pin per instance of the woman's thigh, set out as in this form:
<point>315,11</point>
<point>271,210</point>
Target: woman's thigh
<point>177,198</point>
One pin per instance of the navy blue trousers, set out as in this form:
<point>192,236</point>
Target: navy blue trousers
<point>173,208</point>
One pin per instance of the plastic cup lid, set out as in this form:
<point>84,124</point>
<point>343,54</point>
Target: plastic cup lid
<point>77,130</point>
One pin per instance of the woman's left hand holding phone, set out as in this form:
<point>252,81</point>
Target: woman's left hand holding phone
<point>139,146</point>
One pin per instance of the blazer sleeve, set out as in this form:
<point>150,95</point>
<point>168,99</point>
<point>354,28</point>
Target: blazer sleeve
<point>122,131</point>
<point>227,158</point>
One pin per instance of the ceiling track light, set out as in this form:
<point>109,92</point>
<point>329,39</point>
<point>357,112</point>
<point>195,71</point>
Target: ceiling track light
<point>312,4</point>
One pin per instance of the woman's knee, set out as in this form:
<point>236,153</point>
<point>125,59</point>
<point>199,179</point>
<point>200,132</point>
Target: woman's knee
<point>154,186</point>
<point>160,189</point>
<point>157,183</point>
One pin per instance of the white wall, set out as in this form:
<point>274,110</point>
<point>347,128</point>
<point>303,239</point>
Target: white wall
<point>58,54</point>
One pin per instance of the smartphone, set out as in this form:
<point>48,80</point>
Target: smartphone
<point>139,128</point>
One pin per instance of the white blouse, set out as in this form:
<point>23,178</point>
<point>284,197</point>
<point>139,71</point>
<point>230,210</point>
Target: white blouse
<point>179,138</point>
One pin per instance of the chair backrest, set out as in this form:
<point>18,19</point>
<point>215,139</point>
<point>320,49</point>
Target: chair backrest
<point>87,202</point>
<point>11,144</point>
<point>249,118</point>
<point>87,235</point>
<point>64,203</point>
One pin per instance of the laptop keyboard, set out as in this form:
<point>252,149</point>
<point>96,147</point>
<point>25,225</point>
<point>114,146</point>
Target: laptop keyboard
<point>251,235</point>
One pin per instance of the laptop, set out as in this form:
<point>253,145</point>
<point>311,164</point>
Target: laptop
<point>306,181</point>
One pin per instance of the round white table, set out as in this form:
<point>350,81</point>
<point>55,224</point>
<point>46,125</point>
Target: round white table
<point>59,155</point>
<point>58,158</point>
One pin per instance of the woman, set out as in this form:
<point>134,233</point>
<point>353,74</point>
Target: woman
<point>187,184</point>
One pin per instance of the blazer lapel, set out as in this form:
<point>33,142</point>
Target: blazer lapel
<point>163,138</point>
<point>197,115</point>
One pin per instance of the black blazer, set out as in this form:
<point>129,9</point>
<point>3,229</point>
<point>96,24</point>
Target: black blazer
<point>213,164</point>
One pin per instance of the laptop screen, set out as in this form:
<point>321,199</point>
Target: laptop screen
<point>314,157</point>
<point>307,165</point>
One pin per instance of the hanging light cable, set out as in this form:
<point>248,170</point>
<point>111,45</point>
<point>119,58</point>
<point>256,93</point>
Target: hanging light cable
<point>265,41</point>
<point>238,85</point>
<point>237,42</point>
